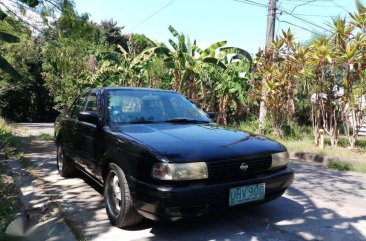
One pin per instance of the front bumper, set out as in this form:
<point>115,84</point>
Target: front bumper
<point>175,202</point>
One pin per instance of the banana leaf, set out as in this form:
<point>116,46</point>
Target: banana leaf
<point>214,61</point>
<point>162,50</point>
<point>30,3</point>
<point>6,67</point>
<point>173,44</point>
<point>182,44</point>
<point>240,53</point>
<point>169,62</point>
<point>9,38</point>
<point>2,15</point>
<point>173,31</point>
<point>212,48</point>
<point>189,59</point>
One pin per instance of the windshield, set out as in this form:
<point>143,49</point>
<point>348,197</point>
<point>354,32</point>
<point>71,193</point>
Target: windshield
<point>149,106</point>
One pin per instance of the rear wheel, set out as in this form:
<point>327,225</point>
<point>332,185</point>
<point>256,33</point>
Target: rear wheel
<point>118,200</point>
<point>65,165</point>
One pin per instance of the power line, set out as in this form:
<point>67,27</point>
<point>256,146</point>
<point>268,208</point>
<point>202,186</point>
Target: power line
<point>153,14</point>
<point>249,2</point>
<point>341,7</point>
<point>146,19</point>
<point>295,25</point>
<point>314,5</point>
<point>278,26</point>
<point>19,18</point>
<point>302,4</point>
<point>303,1</point>
<point>302,19</point>
<point>313,15</point>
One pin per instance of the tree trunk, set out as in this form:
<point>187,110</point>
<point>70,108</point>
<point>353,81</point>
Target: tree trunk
<point>221,118</point>
<point>290,103</point>
<point>316,126</point>
<point>176,80</point>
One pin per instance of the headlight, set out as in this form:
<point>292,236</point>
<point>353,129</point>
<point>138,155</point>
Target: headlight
<point>180,171</point>
<point>280,159</point>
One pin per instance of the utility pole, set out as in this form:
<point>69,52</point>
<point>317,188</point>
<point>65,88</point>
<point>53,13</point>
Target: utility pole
<point>271,21</point>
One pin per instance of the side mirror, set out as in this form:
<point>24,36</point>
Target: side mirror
<point>211,114</point>
<point>89,117</point>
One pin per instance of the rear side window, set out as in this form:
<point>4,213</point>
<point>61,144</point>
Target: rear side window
<point>77,106</point>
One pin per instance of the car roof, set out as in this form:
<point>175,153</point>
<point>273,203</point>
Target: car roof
<point>128,88</point>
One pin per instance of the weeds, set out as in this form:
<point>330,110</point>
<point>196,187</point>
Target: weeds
<point>342,166</point>
<point>46,137</point>
<point>289,132</point>
<point>347,166</point>
<point>9,202</point>
<point>8,141</point>
<point>8,190</point>
<point>299,139</point>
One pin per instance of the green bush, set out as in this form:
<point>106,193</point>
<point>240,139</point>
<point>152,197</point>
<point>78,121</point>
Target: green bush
<point>289,132</point>
<point>296,131</point>
<point>250,125</point>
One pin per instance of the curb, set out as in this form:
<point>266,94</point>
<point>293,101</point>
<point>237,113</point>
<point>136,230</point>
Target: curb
<point>317,159</point>
<point>311,158</point>
<point>36,205</point>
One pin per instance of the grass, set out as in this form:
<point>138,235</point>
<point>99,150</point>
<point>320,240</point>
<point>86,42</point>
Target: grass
<point>45,137</point>
<point>344,159</point>
<point>357,155</point>
<point>299,139</point>
<point>8,142</point>
<point>346,166</point>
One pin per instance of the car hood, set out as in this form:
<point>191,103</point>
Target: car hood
<point>205,142</point>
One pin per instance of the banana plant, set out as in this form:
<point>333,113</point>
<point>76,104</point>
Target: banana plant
<point>187,60</point>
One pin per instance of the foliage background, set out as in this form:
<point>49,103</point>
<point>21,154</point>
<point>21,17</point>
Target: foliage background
<point>72,53</point>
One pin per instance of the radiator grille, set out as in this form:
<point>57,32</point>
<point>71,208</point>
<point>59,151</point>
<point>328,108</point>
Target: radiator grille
<point>230,169</point>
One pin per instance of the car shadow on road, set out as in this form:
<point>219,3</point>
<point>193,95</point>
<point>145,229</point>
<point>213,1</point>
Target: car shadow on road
<point>292,217</point>
<point>232,224</point>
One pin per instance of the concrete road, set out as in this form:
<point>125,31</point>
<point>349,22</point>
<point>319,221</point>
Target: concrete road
<point>322,204</point>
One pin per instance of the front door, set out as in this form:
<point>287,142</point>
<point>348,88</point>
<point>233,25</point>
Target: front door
<point>90,139</point>
<point>69,135</point>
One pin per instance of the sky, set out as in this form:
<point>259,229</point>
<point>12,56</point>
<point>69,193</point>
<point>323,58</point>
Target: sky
<point>241,22</point>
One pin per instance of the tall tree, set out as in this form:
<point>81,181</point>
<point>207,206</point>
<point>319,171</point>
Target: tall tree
<point>10,38</point>
<point>73,49</point>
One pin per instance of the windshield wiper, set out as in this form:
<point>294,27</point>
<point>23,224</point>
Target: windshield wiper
<point>185,120</point>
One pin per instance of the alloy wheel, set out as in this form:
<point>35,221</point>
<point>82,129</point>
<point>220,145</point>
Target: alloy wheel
<point>113,198</point>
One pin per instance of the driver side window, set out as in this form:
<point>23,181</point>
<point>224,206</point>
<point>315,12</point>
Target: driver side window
<point>91,103</point>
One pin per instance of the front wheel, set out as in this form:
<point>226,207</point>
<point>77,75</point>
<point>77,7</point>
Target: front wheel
<point>118,200</point>
<point>65,166</point>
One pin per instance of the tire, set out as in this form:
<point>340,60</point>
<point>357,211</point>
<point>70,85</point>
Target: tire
<point>65,165</point>
<point>118,200</point>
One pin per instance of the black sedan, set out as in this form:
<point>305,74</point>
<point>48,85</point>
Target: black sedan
<point>158,156</point>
